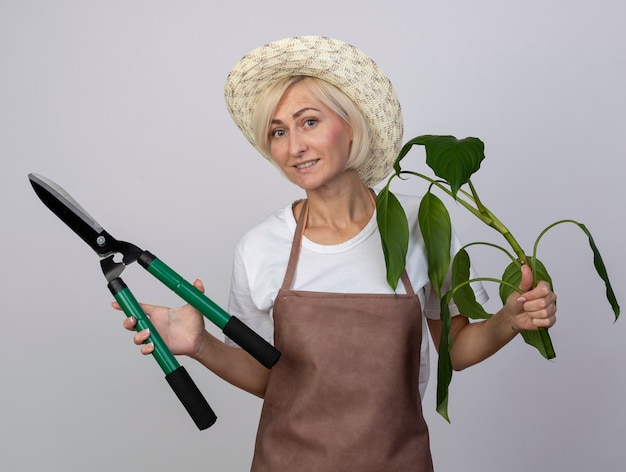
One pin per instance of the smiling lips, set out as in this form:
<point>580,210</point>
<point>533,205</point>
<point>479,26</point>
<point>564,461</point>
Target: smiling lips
<point>306,164</point>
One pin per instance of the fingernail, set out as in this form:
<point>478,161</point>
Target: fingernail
<point>521,299</point>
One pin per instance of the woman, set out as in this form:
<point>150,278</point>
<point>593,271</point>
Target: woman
<point>346,392</point>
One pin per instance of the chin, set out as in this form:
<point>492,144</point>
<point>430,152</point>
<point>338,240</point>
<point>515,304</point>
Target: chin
<point>316,180</point>
<point>307,183</point>
<point>308,186</point>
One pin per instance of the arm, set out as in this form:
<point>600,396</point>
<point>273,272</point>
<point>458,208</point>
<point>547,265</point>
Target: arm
<point>474,342</point>
<point>183,331</point>
<point>232,364</point>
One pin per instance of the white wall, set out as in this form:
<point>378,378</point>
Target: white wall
<point>121,103</point>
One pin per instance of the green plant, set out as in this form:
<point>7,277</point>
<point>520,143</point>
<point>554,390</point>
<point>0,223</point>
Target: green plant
<point>454,161</point>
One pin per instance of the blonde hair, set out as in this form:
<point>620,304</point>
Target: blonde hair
<point>330,96</point>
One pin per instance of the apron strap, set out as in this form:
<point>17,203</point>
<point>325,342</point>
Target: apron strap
<point>297,244</point>
<point>408,288</point>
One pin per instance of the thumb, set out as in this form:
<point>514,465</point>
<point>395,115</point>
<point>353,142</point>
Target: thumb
<point>527,279</point>
<point>199,285</point>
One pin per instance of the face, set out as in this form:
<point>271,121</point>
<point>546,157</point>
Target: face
<point>308,141</point>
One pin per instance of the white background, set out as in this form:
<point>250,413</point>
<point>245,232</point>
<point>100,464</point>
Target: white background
<point>121,103</point>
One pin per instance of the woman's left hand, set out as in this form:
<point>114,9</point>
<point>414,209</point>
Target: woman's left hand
<point>535,308</point>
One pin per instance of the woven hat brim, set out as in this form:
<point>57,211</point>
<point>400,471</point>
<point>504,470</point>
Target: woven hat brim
<point>336,62</point>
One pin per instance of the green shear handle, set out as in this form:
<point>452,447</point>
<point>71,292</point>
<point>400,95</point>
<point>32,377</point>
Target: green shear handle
<point>231,326</point>
<point>175,374</point>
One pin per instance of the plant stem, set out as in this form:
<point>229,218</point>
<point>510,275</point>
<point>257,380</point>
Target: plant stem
<point>442,187</point>
<point>497,224</point>
<point>479,204</point>
<point>481,212</point>
<point>504,231</point>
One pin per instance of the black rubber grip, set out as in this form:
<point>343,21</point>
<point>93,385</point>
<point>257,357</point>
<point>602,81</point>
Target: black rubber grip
<point>191,398</point>
<point>249,340</point>
<point>116,286</point>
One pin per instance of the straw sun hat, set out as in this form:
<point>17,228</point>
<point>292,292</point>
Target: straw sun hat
<point>336,62</point>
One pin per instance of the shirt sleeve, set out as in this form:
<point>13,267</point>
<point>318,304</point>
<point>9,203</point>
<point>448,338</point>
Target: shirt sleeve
<point>432,309</point>
<point>241,303</point>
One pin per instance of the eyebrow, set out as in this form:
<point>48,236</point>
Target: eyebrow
<point>296,114</point>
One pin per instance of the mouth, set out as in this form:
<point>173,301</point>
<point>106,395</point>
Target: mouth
<point>304,165</point>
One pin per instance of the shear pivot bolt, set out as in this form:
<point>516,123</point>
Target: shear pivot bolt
<point>101,241</point>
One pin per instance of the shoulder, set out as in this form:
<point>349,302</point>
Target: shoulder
<point>408,200</point>
<point>273,230</point>
<point>410,204</point>
<point>261,256</point>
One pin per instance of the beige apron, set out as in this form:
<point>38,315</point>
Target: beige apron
<point>344,395</point>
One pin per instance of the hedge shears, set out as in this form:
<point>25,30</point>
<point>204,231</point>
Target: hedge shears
<point>108,248</point>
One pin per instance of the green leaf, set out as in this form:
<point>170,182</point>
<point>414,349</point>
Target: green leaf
<point>444,363</point>
<point>598,263</point>
<point>394,234</point>
<point>405,149</point>
<point>436,230</point>
<point>513,275</point>
<point>452,159</point>
<point>463,295</point>
<point>539,339</point>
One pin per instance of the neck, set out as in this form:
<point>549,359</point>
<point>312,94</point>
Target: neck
<point>339,212</point>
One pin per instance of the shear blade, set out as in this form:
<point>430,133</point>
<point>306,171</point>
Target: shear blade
<point>69,211</point>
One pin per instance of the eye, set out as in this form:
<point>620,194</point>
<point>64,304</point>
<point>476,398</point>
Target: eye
<point>277,133</point>
<point>310,122</point>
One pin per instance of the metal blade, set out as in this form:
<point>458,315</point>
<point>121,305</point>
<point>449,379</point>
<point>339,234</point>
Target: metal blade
<point>70,212</point>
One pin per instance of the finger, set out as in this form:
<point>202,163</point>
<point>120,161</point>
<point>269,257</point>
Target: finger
<point>542,311</point>
<point>199,285</point>
<point>130,322</point>
<point>542,293</point>
<point>142,336</point>
<point>543,289</point>
<point>527,279</point>
<point>546,322</point>
<point>147,348</point>
<point>147,309</point>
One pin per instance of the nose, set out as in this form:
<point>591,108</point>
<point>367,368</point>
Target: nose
<point>297,144</point>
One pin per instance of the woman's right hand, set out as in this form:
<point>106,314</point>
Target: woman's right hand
<point>181,328</point>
